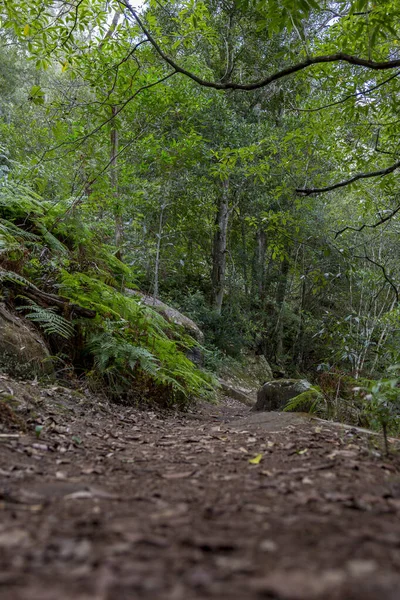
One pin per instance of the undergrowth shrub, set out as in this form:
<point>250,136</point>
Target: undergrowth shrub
<point>127,347</point>
<point>127,337</point>
<point>381,403</point>
<point>230,340</point>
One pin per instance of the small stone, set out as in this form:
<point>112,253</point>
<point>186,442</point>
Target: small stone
<point>268,546</point>
<point>360,567</point>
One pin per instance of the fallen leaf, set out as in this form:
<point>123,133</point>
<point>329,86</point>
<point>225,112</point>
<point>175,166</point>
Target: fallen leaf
<point>43,447</point>
<point>307,481</point>
<point>298,584</point>
<point>177,475</point>
<point>256,460</point>
<point>79,495</point>
<point>259,509</point>
<point>13,537</point>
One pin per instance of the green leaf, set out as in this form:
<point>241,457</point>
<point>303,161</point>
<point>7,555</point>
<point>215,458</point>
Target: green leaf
<point>38,430</point>
<point>37,95</point>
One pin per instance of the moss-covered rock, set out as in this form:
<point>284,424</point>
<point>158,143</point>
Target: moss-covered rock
<point>275,395</point>
<point>23,353</point>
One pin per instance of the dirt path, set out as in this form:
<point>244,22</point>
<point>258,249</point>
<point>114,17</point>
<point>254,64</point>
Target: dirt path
<point>111,503</point>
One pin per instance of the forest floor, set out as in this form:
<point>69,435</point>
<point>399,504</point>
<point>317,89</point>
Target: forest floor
<point>113,503</point>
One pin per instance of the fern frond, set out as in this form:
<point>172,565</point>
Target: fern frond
<point>48,320</point>
<point>52,242</point>
<point>9,228</point>
<point>113,353</point>
<point>311,401</point>
<point>15,278</point>
<point>8,243</point>
<point>18,200</point>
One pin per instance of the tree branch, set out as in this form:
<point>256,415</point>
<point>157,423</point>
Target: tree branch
<point>345,98</point>
<point>328,188</point>
<point>78,142</point>
<point>385,275</point>
<point>229,85</point>
<point>366,226</point>
<point>380,149</point>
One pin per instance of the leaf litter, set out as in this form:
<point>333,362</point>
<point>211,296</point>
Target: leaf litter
<point>112,502</point>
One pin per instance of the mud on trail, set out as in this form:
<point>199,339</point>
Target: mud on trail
<point>108,502</point>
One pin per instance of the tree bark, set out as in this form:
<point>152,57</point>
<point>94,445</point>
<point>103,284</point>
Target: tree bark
<point>261,249</point>
<point>158,252</point>
<point>219,248</point>
<point>280,299</point>
<point>119,229</point>
<point>298,346</point>
<point>244,257</point>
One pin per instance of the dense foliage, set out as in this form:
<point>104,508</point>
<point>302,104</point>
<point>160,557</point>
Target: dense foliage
<point>238,159</point>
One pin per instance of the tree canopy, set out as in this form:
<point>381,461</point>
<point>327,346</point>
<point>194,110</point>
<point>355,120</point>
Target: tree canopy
<point>237,159</point>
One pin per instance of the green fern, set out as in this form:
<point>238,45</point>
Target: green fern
<point>130,328</point>
<point>131,345</point>
<point>17,200</point>
<point>15,278</point>
<point>51,241</point>
<point>8,243</point>
<point>13,238</point>
<point>112,353</point>
<point>9,228</point>
<point>48,320</point>
<point>311,401</point>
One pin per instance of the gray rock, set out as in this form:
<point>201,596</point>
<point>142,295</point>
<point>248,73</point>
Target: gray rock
<point>170,314</point>
<point>23,352</point>
<point>261,368</point>
<point>244,395</point>
<point>274,395</point>
<point>195,355</point>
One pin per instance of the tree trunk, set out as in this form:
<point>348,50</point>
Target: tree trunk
<point>119,231</point>
<point>244,257</point>
<point>258,276</point>
<point>219,248</point>
<point>298,346</point>
<point>261,250</point>
<point>114,153</point>
<point>158,252</point>
<point>280,299</point>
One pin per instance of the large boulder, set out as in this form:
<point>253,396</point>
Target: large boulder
<point>259,368</point>
<point>170,314</point>
<point>23,352</point>
<point>242,380</point>
<point>243,395</point>
<point>274,395</point>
